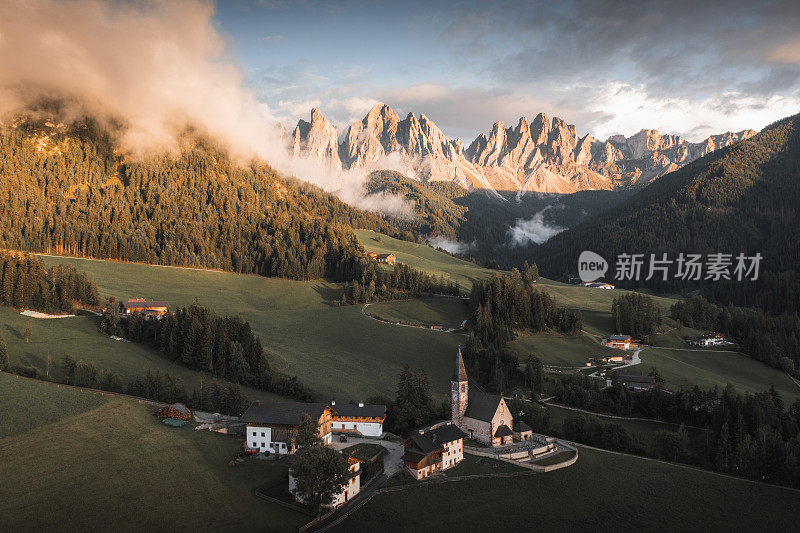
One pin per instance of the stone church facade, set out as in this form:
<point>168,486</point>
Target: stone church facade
<point>482,416</point>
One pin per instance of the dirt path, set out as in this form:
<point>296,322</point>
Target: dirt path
<point>392,323</point>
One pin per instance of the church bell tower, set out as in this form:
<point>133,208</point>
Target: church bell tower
<point>459,391</point>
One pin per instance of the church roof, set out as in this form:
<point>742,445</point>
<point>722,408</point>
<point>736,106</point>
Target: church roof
<point>480,405</point>
<point>460,373</point>
<point>503,431</point>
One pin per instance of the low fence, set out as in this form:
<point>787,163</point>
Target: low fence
<point>482,452</point>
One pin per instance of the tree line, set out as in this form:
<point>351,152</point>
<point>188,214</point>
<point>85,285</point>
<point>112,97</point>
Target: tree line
<point>635,314</point>
<point>772,339</point>
<point>749,435</point>
<point>375,284</point>
<point>26,283</point>
<point>197,338</point>
<point>502,306</point>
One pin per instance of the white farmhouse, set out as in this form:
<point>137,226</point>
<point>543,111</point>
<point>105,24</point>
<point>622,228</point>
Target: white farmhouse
<point>273,427</point>
<point>360,420</point>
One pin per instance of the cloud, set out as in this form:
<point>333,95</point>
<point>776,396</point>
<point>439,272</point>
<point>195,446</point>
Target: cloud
<point>154,67</point>
<point>449,245</point>
<point>534,230</point>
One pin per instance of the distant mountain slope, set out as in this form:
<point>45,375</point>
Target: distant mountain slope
<point>484,227</point>
<point>542,156</point>
<point>743,198</point>
<point>65,189</point>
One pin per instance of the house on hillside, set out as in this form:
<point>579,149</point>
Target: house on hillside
<point>599,285</point>
<point>360,420</point>
<point>351,488</point>
<point>634,380</point>
<point>147,309</point>
<point>388,259</point>
<point>434,450</point>
<point>709,339</point>
<point>272,427</point>
<point>371,255</point>
<point>482,416</point>
<point>623,342</point>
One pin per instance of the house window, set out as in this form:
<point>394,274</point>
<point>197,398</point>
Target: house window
<point>255,444</point>
<point>262,445</point>
<point>262,433</point>
<point>283,445</point>
<point>254,433</point>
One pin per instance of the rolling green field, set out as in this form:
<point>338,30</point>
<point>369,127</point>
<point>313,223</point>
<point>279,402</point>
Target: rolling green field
<point>560,350</point>
<point>81,338</point>
<point>686,368</point>
<point>114,466</point>
<point>337,351</point>
<point>603,491</point>
<point>449,312</point>
<point>424,258</point>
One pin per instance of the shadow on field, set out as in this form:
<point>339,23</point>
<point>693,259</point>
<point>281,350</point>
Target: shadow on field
<point>17,333</point>
<point>329,294</point>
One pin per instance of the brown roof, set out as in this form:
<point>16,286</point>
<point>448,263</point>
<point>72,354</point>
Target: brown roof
<point>143,304</point>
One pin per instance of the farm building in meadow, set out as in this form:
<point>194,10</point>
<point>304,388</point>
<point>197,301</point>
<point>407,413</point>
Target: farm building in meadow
<point>484,417</point>
<point>389,259</point>
<point>176,410</point>
<point>272,427</point>
<point>371,255</point>
<point>360,420</point>
<point>634,380</point>
<point>709,339</point>
<point>434,450</point>
<point>352,488</point>
<point>623,342</point>
<point>149,309</point>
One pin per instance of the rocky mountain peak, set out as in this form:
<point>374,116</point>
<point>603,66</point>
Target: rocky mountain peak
<point>542,155</point>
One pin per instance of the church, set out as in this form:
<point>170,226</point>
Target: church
<point>483,417</point>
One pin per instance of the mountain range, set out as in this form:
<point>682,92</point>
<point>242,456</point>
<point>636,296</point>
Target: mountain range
<point>542,155</point>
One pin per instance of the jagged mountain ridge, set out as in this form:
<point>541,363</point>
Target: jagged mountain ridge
<point>543,155</point>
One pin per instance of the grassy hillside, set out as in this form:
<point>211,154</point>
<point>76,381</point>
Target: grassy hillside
<point>449,312</point>
<point>708,368</point>
<point>115,466</point>
<point>601,492</point>
<point>424,258</point>
<point>558,350</point>
<point>337,351</point>
<point>81,338</point>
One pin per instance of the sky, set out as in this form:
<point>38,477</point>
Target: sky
<point>609,67</point>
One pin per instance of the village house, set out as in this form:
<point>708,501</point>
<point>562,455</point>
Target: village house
<point>599,285</point>
<point>634,380</point>
<point>148,309</point>
<point>351,488</point>
<point>371,255</point>
<point>434,450</point>
<point>623,342</point>
<point>709,339</point>
<point>360,420</point>
<point>389,259</point>
<point>483,417</point>
<point>272,427</point>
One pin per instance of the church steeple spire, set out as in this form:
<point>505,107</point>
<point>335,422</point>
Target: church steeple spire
<point>460,373</point>
<point>459,391</point>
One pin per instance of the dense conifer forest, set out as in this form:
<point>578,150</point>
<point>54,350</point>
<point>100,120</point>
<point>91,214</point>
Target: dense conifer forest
<point>26,284</point>
<point>502,307</point>
<point>67,191</point>
<point>740,199</point>
<point>199,339</point>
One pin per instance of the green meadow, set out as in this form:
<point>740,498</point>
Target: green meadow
<point>337,351</point>
<point>603,491</point>
<point>447,312</point>
<point>75,461</point>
